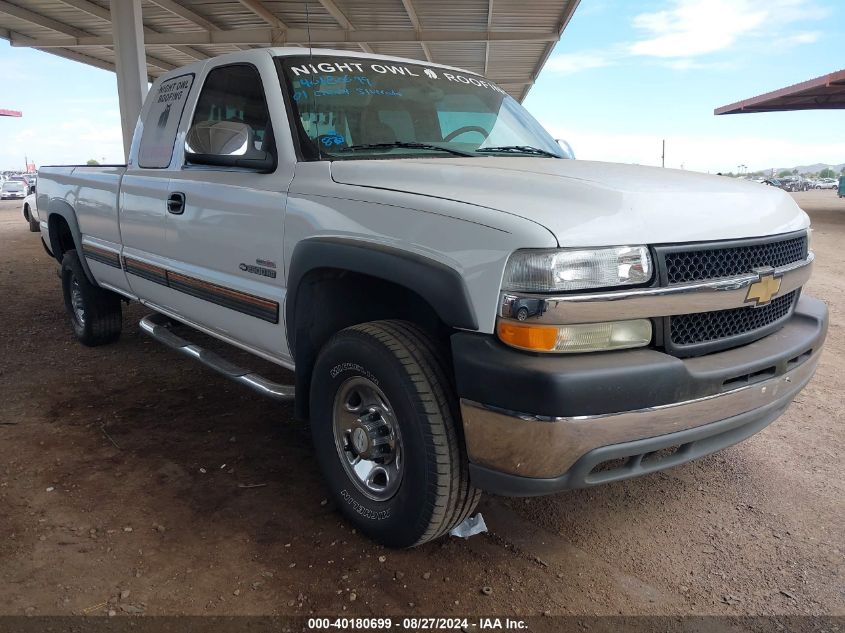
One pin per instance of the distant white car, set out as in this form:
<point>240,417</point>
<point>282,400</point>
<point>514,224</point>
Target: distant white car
<point>13,190</point>
<point>30,213</point>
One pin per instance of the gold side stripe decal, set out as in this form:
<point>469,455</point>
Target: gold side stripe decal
<point>102,255</point>
<point>259,307</point>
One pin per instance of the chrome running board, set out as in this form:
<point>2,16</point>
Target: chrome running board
<point>156,325</point>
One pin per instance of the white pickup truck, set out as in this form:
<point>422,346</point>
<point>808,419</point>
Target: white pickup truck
<point>464,308</point>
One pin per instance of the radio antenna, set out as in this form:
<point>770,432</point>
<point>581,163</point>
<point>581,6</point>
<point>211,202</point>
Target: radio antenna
<point>313,96</point>
<point>308,30</point>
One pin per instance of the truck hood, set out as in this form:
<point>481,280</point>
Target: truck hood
<point>587,203</point>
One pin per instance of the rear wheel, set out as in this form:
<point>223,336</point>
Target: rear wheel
<point>386,433</point>
<point>33,224</point>
<point>95,314</point>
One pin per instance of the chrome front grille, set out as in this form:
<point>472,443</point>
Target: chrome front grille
<point>713,262</point>
<point>705,327</point>
<point>696,333</point>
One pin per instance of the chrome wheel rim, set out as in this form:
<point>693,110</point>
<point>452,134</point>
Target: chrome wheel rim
<point>367,438</point>
<point>76,301</point>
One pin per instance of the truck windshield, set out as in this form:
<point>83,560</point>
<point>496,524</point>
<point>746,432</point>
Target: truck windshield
<point>348,107</point>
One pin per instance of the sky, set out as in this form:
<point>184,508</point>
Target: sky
<point>625,76</point>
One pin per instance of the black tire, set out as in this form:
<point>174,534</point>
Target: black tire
<point>33,224</point>
<point>522,314</point>
<point>434,492</point>
<point>101,318</point>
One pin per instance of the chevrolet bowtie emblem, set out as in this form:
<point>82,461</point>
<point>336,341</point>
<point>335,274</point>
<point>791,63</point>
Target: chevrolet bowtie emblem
<point>762,290</point>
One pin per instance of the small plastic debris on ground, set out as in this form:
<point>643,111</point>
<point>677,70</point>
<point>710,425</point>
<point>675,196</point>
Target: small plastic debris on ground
<point>50,489</point>
<point>470,527</point>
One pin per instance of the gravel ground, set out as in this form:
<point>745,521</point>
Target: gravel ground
<point>135,481</point>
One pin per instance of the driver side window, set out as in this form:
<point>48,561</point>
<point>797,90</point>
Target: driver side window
<point>235,93</point>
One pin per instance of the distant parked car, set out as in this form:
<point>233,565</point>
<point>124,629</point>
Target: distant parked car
<point>13,190</point>
<point>794,183</point>
<point>30,212</point>
<point>828,183</point>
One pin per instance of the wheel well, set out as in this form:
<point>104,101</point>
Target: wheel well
<point>61,239</point>
<point>329,300</point>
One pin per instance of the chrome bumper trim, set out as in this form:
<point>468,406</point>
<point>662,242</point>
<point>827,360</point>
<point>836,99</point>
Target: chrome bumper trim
<point>644,303</point>
<point>534,446</point>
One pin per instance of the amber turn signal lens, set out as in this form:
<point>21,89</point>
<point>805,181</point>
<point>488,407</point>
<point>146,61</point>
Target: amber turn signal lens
<point>576,337</point>
<point>536,337</point>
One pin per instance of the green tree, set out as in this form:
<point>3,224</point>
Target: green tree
<point>783,173</point>
<point>827,173</point>
<point>92,162</point>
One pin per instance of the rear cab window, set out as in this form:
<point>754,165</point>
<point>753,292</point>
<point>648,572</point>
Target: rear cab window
<point>162,122</point>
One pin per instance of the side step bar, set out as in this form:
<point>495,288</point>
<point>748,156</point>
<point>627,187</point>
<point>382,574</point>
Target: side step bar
<point>156,326</point>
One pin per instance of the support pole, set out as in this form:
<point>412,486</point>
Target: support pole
<point>130,58</point>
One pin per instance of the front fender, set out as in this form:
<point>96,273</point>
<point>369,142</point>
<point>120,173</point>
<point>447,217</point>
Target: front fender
<point>441,286</point>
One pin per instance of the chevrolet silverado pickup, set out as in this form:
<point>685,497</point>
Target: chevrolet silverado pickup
<point>463,306</point>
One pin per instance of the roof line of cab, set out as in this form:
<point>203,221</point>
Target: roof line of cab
<point>294,51</point>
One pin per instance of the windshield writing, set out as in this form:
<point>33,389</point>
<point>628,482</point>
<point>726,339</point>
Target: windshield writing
<point>364,108</point>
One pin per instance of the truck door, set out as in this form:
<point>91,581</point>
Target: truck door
<point>225,226</point>
<point>145,187</point>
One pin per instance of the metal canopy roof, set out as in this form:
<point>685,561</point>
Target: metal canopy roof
<point>822,93</point>
<point>509,41</point>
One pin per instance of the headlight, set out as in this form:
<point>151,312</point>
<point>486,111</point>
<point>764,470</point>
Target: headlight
<point>559,270</point>
<point>581,337</point>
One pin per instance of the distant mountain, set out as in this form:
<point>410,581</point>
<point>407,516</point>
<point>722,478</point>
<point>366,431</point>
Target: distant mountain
<point>812,169</point>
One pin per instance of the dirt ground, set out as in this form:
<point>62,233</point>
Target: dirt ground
<point>134,480</point>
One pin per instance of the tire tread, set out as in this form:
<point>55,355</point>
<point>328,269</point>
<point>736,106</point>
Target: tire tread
<point>454,498</point>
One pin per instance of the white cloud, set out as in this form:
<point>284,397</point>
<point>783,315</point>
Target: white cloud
<point>66,142</point>
<point>678,37</point>
<point>695,27</point>
<point>691,28</point>
<point>691,64</point>
<point>806,37</point>
<point>576,62</point>
<point>700,153</point>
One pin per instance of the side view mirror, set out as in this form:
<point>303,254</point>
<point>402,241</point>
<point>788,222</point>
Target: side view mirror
<point>226,144</point>
<point>566,147</point>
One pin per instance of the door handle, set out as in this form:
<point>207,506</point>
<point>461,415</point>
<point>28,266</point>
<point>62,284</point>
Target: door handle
<point>176,203</point>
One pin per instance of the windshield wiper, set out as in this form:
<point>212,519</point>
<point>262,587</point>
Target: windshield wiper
<point>517,149</point>
<point>407,144</point>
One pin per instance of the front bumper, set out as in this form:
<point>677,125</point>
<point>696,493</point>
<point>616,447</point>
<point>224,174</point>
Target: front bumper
<point>622,407</point>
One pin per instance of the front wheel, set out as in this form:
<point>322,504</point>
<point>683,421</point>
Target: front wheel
<point>386,433</point>
<point>95,314</point>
